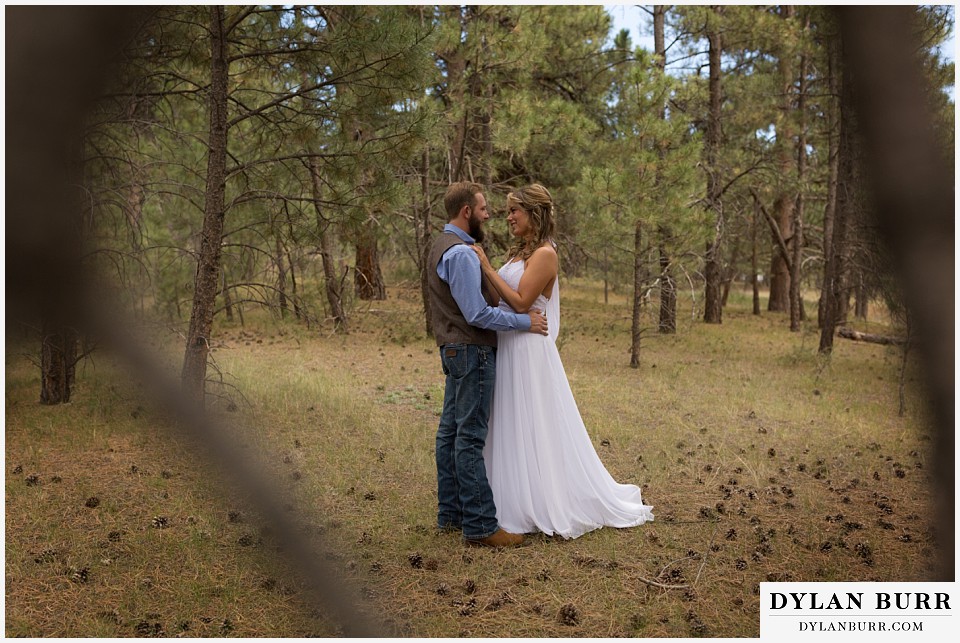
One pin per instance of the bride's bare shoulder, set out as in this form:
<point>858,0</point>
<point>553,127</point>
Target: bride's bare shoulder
<point>545,251</point>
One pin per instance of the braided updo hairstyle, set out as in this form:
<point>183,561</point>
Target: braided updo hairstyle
<point>536,200</point>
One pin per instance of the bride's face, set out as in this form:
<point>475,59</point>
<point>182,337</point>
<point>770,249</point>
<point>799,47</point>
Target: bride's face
<point>519,220</point>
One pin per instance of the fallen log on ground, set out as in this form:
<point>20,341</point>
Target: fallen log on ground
<point>849,333</point>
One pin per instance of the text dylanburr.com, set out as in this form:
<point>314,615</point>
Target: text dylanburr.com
<point>858,611</point>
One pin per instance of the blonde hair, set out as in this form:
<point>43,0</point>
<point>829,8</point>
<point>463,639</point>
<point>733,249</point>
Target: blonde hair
<point>538,203</point>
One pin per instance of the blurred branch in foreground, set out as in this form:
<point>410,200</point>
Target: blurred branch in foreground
<point>58,58</point>
<point>913,197</point>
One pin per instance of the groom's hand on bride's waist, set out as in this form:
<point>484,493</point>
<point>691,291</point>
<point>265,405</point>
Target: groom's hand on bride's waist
<point>538,322</point>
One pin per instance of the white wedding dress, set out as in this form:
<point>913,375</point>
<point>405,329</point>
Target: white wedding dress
<point>545,474</point>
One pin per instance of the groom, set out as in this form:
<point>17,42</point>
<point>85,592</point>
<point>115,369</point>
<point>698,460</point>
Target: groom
<point>465,325</point>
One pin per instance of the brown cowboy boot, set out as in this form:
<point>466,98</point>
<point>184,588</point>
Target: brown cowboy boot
<point>499,538</point>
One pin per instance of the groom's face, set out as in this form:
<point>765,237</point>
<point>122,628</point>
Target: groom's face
<point>478,214</point>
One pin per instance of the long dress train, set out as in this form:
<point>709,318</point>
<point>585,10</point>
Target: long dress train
<point>545,474</point>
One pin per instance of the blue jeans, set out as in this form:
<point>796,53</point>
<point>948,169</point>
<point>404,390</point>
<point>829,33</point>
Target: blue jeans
<point>464,497</point>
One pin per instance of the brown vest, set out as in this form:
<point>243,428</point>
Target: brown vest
<point>449,326</point>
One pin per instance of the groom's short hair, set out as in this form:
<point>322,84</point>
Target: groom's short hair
<point>458,195</point>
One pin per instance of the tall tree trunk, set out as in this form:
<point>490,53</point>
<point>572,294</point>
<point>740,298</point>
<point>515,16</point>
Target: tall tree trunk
<point>208,264</point>
<point>796,296</point>
<point>330,280</point>
<point>135,198</point>
<point>281,277</point>
<point>845,288</point>
<point>483,96</point>
<point>425,240</point>
<point>713,275</point>
<point>606,275</point>
<point>860,294</point>
<point>668,287</point>
<point>637,295</point>
<point>58,358</point>
<point>833,168</point>
<point>297,311</point>
<point>730,273</point>
<point>456,65</point>
<point>424,231</point>
<point>292,264</point>
<point>834,292</point>
<point>227,299</point>
<point>779,272</point>
<point>903,368</point>
<point>332,283</point>
<point>54,259</point>
<point>712,306</point>
<point>368,278</point>
<point>784,204</point>
<point>755,281</point>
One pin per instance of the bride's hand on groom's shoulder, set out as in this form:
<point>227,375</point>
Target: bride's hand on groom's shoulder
<point>484,262</point>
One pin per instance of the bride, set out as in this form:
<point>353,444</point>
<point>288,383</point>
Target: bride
<point>544,472</point>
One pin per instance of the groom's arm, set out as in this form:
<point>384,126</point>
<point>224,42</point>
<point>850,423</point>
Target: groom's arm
<point>460,268</point>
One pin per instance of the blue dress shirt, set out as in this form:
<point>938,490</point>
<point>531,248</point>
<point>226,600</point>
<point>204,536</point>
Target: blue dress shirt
<point>459,267</point>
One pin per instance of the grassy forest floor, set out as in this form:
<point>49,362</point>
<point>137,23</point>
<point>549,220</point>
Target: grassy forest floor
<point>761,461</point>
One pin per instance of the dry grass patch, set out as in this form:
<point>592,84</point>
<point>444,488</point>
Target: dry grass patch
<point>113,529</point>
